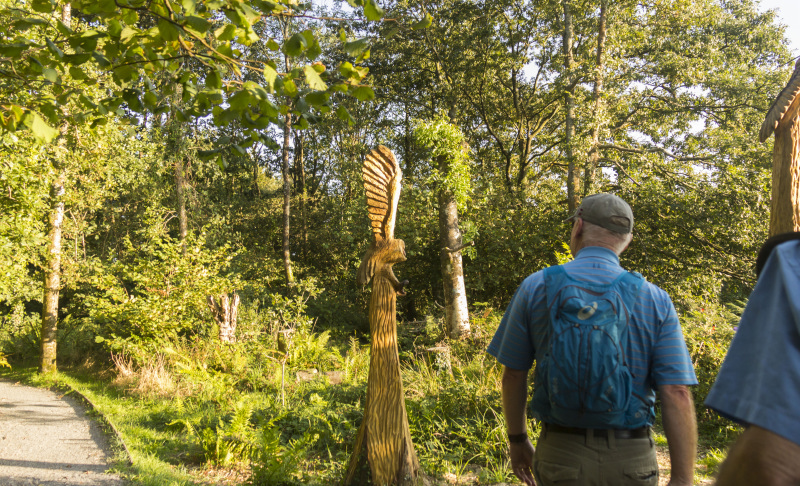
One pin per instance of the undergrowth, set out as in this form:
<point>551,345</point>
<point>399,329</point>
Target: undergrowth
<point>256,409</point>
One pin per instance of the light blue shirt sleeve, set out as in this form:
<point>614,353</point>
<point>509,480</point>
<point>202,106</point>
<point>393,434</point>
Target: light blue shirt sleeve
<point>759,381</point>
<point>512,344</point>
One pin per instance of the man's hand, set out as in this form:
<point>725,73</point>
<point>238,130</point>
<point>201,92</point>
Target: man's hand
<point>521,461</point>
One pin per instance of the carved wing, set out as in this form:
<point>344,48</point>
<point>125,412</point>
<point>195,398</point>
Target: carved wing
<point>382,182</point>
<point>787,99</point>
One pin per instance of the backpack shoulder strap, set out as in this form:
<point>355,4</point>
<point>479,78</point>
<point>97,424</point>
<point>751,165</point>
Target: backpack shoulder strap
<point>629,284</point>
<point>554,279</point>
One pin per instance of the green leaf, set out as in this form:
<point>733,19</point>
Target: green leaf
<point>25,24</point>
<point>317,98</point>
<point>273,46</point>
<point>127,34</point>
<point>363,93</point>
<point>167,30</point>
<point>50,74</point>
<point>77,59</point>
<point>54,49</point>
<point>255,90</point>
<point>43,6</point>
<point>77,73</point>
<point>221,163</point>
<point>295,45</point>
<point>270,75</point>
<point>424,23</point>
<point>131,97</point>
<point>240,101</point>
<point>99,339</point>
<point>213,80</point>
<point>356,47</point>
<point>344,115</point>
<point>101,60</point>
<point>41,131</point>
<point>198,24</point>
<point>372,10</point>
<point>150,99</point>
<point>314,80</point>
<point>289,88</point>
<point>226,33</point>
<point>268,108</point>
<point>190,6</point>
<point>114,28</point>
<point>13,50</point>
<point>267,6</point>
<point>130,17</point>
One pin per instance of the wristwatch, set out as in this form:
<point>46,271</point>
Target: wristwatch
<point>517,438</point>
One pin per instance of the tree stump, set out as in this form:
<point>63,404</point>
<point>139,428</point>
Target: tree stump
<point>225,313</point>
<point>438,359</point>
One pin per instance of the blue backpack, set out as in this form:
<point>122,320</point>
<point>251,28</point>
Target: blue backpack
<point>584,370</point>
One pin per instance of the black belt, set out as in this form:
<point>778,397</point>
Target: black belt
<point>640,433</point>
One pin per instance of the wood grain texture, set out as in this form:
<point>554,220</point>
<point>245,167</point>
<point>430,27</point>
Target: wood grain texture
<point>785,205</point>
<point>384,452</point>
<point>784,107</point>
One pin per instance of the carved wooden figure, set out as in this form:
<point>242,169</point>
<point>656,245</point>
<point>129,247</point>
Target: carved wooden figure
<point>783,118</point>
<point>384,440</point>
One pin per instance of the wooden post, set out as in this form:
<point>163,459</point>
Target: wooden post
<point>384,439</point>
<point>783,118</point>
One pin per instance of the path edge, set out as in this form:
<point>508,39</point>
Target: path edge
<point>65,388</point>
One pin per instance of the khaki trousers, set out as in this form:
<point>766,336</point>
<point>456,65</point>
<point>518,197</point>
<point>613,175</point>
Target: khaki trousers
<point>569,459</point>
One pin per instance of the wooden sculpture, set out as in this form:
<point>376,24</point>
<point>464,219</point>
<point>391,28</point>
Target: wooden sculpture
<point>783,118</point>
<point>384,439</point>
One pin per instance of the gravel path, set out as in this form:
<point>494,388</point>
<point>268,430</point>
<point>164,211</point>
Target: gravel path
<point>47,439</point>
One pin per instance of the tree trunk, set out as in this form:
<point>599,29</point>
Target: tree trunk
<point>287,199</point>
<point>569,107</point>
<point>785,206</point>
<point>180,191</point>
<point>384,439</point>
<point>225,312</point>
<point>300,171</point>
<point>597,115</point>
<point>455,294</point>
<point>52,273</point>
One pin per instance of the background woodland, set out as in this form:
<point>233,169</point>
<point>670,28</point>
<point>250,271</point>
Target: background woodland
<point>186,178</point>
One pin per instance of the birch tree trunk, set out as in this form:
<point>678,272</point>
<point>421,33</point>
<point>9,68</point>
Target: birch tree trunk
<point>455,294</point>
<point>52,272</point>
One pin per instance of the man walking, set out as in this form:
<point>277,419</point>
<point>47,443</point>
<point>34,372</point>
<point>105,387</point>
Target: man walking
<point>604,341</point>
<point>757,385</point>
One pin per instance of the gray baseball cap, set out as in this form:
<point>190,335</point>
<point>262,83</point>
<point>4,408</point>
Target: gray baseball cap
<point>607,211</point>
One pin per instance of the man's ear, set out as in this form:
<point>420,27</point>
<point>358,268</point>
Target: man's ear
<point>578,228</point>
<point>630,238</point>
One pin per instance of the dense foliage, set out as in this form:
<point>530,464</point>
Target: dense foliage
<point>132,94</point>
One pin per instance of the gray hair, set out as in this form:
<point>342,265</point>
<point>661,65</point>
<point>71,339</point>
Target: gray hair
<point>599,236</point>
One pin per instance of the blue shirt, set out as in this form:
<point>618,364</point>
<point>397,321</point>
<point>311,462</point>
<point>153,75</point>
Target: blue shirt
<point>759,381</point>
<point>657,353</point>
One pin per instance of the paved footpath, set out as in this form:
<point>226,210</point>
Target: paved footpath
<point>47,439</point>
